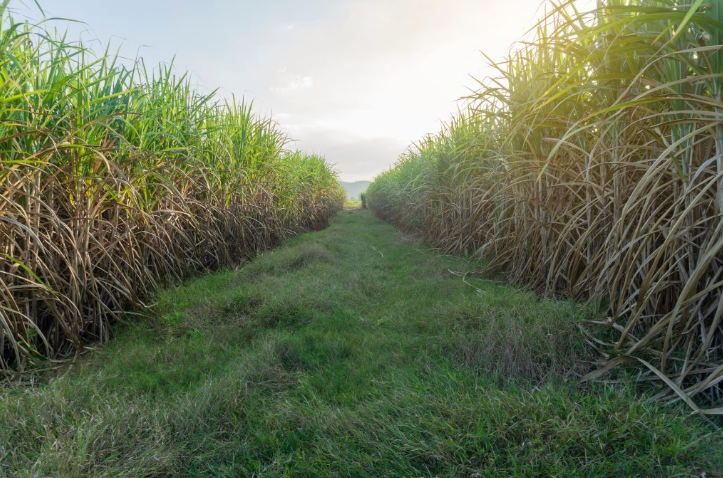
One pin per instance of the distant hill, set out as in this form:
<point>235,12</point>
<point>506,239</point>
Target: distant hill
<point>353,190</point>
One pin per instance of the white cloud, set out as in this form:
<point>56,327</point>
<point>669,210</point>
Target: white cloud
<point>297,83</point>
<point>384,72</point>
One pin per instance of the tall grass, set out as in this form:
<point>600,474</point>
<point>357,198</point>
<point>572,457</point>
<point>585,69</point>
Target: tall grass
<point>114,178</point>
<point>590,166</point>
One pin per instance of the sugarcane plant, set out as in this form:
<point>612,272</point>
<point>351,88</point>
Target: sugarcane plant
<point>118,177</point>
<point>590,167</point>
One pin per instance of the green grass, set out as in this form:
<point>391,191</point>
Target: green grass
<point>353,203</point>
<point>348,352</point>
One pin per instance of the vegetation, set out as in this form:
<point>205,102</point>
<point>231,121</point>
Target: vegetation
<point>591,167</point>
<point>113,178</point>
<point>351,351</point>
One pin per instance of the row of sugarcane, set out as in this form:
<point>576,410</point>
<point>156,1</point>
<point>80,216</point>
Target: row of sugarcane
<point>590,166</point>
<point>116,178</point>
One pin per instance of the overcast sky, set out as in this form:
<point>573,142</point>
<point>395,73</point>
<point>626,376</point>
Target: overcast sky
<point>354,80</point>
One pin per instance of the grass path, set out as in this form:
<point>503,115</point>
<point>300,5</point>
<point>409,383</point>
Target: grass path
<point>348,352</point>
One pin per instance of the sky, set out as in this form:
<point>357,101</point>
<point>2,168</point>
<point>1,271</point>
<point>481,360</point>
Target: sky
<point>357,81</point>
